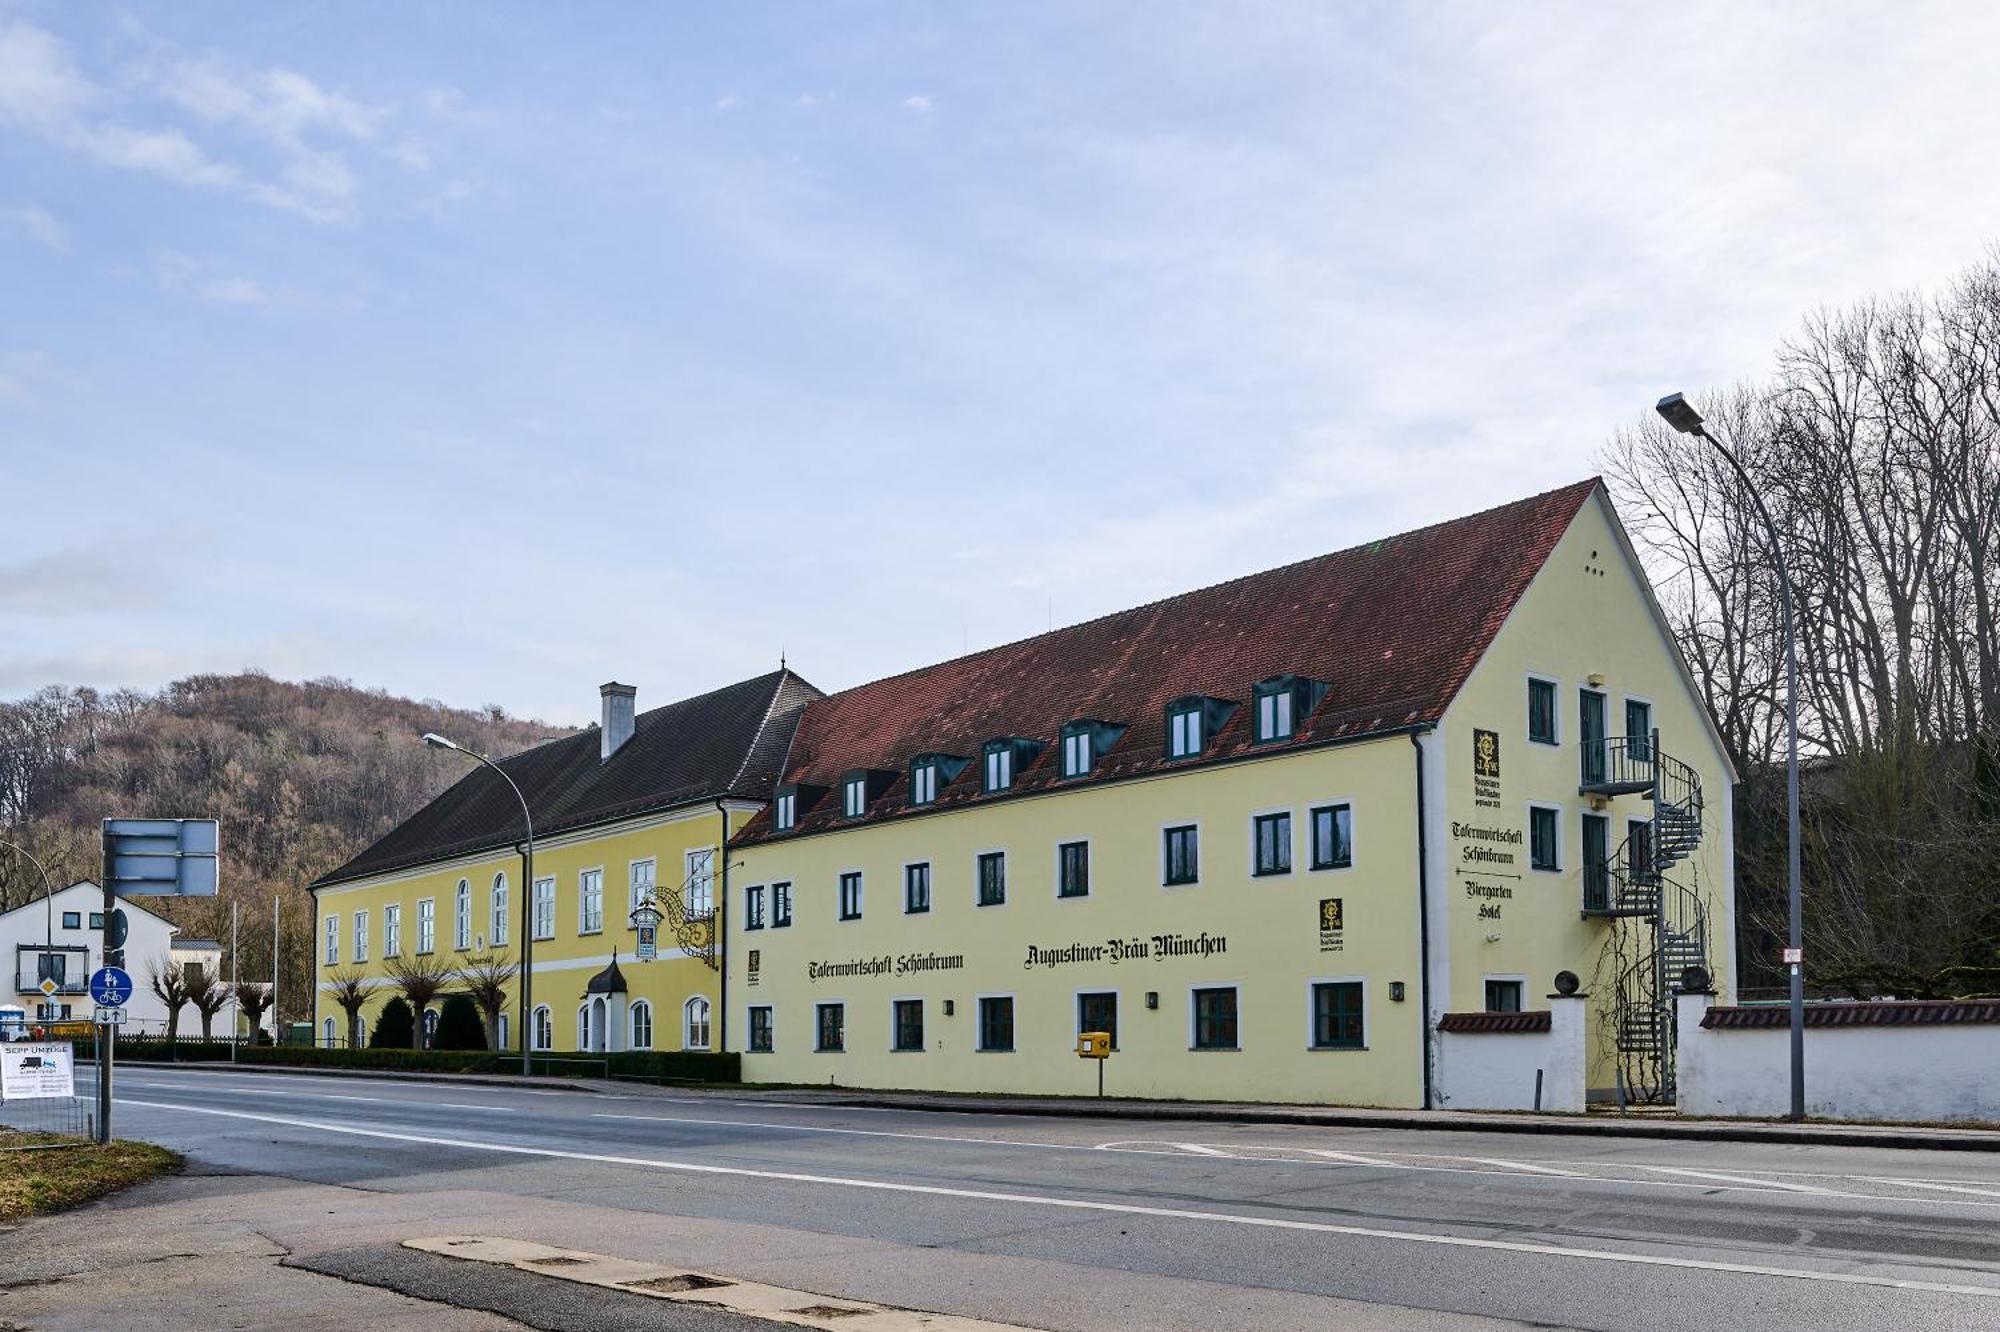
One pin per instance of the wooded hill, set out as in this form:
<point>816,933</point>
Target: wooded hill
<point>301,775</point>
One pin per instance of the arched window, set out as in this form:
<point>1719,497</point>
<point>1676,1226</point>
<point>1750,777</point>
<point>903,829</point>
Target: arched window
<point>642,1026</point>
<point>462,925</point>
<point>503,1043</point>
<point>332,1032</point>
<point>497,928</point>
<point>545,1027</point>
<point>430,1028</point>
<point>694,1033</point>
<point>583,1027</point>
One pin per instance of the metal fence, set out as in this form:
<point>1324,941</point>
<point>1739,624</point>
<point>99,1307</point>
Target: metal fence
<point>73,1116</point>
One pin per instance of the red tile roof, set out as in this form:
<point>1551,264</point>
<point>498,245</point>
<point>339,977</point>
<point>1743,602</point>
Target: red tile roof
<point>1875,1013</point>
<point>1393,627</point>
<point>1497,1024</point>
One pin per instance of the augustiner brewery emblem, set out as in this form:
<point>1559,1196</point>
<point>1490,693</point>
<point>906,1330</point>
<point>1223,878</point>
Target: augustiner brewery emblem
<point>1486,753</point>
<point>1332,925</point>
<point>1486,769</point>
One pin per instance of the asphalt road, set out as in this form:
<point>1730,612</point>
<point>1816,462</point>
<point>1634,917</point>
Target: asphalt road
<point>1078,1223</point>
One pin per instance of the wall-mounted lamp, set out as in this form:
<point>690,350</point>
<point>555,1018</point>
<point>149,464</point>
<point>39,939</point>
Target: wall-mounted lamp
<point>1152,998</point>
<point>1395,992</point>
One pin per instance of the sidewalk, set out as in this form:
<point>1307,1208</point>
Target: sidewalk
<point>1922,1137</point>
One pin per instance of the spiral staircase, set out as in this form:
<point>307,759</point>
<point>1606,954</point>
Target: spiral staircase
<point>1660,925</point>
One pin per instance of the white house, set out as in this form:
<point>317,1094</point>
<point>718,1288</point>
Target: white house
<point>60,938</point>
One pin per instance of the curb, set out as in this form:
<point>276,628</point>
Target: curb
<point>1950,1140</point>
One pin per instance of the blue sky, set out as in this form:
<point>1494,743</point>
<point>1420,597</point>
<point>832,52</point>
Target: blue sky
<point>488,352</point>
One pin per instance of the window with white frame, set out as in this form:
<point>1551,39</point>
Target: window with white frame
<point>461,927</point>
<point>545,908</point>
<point>642,1025</point>
<point>1542,711</point>
<point>330,1033</point>
<point>1184,730</point>
<point>923,781</point>
<point>503,1043</point>
<point>583,1027</point>
<point>392,930</point>
<point>917,888</point>
<point>760,1029</point>
<point>361,936</point>
<point>999,765</point>
<point>700,892</point>
<point>427,925</point>
<point>545,1027</point>
<point>694,1035</point>
<point>1544,838</point>
<point>644,874</point>
<point>590,901</point>
<point>1076,753</point>
<point>497,926</point>
<point>1332,837</point>
<point>332,940</point>
<point>1274,713</point>
<point>788,805</point>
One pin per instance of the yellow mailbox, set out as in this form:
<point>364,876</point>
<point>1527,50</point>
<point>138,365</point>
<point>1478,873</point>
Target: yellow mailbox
<point>1093,1045</point>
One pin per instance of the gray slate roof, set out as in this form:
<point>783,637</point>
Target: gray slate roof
<point>729,743</point>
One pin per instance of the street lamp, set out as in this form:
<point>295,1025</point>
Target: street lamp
<point>48,892</point>
<point>436,741</point>
<point>1681,415</point>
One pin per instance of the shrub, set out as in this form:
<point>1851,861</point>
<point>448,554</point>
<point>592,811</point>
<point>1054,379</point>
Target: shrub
<point>459,1026</point>
<point>395,1027</point>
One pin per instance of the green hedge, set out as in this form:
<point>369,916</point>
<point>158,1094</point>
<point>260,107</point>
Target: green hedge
<point>653,1065</point>
<point>140,1047</point>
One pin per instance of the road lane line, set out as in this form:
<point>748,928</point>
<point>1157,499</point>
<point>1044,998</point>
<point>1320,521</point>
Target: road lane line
<point>1197,1149</point>
<point>459,1105</point>
<point>1351,1159</point>
<point>1742,1181</point>
<point>846,1132</point>
<point>1528,1166</point>
<point>1929,1184</point>
<point>1113,1208</point>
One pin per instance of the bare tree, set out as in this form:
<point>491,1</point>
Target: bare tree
<point>486,978</point>
<point>349,990</point>
<point>209,994</point>
<point>1876,444</point>
<point>169,982</point>
<point>421,981</point>
<point>254,999</point>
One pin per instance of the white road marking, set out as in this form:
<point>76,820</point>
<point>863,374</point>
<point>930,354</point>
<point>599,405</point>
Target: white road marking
<point>459,1105</point>
<point>1738,1181</point>
<point>1930,1184</point>
<point>1351,1159</point>
<point>1528,1166</point>
<point>1199,1150</point>
<point>847,1132</point>
<point>1114,1208</point>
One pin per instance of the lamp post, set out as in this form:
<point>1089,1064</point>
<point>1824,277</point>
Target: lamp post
<point>48,892</point>
<point>1681,415</point>
<point>436,741</point>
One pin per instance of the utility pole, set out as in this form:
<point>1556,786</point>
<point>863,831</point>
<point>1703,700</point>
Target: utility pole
<point>274,967</point>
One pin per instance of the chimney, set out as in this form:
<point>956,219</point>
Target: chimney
<point>618,718</point>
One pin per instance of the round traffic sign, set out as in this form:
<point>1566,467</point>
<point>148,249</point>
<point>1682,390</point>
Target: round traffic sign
<point>110,987</point>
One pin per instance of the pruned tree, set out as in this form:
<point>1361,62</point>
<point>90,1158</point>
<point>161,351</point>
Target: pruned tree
<point>421,980</point>
<point>349,991</point>
<point>209,994</point>
<point>254,999</point>
<point>486,978</point>
<point>169,982</point>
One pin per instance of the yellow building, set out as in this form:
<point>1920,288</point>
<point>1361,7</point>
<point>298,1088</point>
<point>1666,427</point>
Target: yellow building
<point>632,812</point>
<point>1269,835</point>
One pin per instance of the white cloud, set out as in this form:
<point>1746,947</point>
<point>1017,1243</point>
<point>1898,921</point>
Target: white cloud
<point>728,102</point>
<point>42,225</point>
<point>306,127</point>
<point>188,275</point>
<point>919,103</point>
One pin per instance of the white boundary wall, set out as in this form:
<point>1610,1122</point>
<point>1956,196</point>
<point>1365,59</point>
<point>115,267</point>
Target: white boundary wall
<point>1884,1071</point>
<point>1496,1070</point>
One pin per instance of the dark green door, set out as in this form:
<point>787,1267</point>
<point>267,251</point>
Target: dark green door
<point>1590,707</point>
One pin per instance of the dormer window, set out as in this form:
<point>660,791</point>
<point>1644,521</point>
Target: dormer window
<point>1283,701</point>
<point>854,796</point>
<point>931,773</point>
<point>1193,722</point>
<point>1005,758</point>
<point>788,805</point>
<point>1084,742</point>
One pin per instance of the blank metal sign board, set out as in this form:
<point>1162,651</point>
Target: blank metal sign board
<point>160,857</point>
